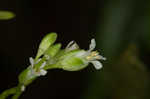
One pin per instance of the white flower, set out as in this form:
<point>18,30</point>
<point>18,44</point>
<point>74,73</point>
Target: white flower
<point>41,71</point>
<point>91,56</point>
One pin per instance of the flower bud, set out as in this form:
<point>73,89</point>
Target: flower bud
<point>46,42</point>
<point>26,77</point>
<point>6,15</point>
<point>53,50</point>
<point>72,62</point>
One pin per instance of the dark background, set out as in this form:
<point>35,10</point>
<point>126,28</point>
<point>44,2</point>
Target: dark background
<point>116,25</point>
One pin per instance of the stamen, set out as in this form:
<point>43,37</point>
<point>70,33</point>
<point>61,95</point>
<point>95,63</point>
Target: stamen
<point>98,57</point>
<point>88,57</point>
<point>94,53</point>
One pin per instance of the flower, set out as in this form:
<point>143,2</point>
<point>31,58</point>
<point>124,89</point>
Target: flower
<point>76,59</point>
<point>91,56</point>
<point>40,71</point>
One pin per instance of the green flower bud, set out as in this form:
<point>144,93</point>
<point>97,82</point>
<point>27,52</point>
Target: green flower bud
<point>6,15</point>
<point>71,62</point>
<point>26,77</point>
<point>53,50</point>
<point>46,42</point>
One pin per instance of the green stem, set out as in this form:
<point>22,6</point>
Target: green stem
<point>18,92</point>
<point>8,92</point>
<point>17,95</point>
<point>53,66</point>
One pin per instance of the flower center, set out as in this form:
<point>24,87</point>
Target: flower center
<point>93,56</point>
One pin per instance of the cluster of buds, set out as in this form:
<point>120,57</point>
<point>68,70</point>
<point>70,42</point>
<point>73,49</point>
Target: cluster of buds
<point>50,55</point>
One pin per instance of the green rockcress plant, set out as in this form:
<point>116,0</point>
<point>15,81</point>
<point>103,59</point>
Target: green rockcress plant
<point>51,56</point>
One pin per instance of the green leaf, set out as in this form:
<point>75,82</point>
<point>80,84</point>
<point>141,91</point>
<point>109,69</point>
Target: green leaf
<point>46,42</point>
<point>6,15</point>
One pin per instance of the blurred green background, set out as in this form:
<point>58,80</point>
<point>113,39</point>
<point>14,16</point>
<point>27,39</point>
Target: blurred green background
<point>122,32</point>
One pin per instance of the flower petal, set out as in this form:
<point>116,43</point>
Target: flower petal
<point>72,46</point>
<point>70,43</point>
<point>31,61</point>
<point>43,65</point>
<point>22,88</point>
<point>97,64</point>
<point>43,72</point>
<point>102,58</point>
<point>81,54</point>
<point>92,45</point>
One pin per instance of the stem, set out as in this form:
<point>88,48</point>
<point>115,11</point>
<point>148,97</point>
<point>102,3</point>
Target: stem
<point>16,96</point>
<point>54,66</point>
<point>18,92</point>
<point>8,92</point>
